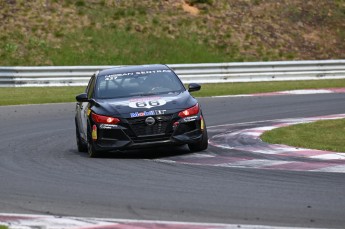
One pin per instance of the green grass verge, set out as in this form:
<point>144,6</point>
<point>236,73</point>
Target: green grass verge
<point>324,135</point>
<point>36,95</point>
<point>113,47</point>
<point>3,227</point>
<point>138,49</point>
<point>261,87</point>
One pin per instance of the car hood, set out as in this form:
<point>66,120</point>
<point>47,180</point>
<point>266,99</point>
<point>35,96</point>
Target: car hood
<point>157,104</point>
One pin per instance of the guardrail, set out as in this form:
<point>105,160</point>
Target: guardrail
<point>197,73</point>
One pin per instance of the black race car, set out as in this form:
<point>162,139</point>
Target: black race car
<point>135,107</point>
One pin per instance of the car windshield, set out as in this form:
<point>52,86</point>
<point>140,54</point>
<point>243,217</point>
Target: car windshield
<point>139,83</point>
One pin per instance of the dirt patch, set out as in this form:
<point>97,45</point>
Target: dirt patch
<point>190,9</point>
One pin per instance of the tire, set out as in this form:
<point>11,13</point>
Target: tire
<point>201,145</point>
<point>93,153</point>
<point>81,145</point>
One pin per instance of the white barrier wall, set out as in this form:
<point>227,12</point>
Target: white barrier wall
<point>196,73</point>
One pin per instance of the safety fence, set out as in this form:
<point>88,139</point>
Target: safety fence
<point>198,73</point>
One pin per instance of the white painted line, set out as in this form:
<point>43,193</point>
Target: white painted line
<point>332,169</point>
<point>333,156</point>
<point>264,128</point>
<point>198,155</point>
<point>249,133</point>
<point>266,151</point>
<point>163,160</point>
<point>229,96</point>
<point>55,222</point>
<point>290,92</point>
<point>255,163</point>
<point>307,91</point>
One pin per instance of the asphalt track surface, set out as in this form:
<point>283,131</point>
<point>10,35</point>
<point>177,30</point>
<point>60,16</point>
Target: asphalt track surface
<point>41,172</point>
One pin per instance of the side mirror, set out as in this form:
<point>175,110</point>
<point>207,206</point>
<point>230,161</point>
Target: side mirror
<point>194,87</point>
<point>82,98</point>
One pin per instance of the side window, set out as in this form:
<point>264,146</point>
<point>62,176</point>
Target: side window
<point>90,86</point>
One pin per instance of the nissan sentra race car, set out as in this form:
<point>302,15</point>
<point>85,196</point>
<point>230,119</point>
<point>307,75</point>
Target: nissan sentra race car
<point>136,107</point>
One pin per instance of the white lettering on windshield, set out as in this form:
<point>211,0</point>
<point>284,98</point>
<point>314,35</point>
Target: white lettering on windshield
<point>115,76</point>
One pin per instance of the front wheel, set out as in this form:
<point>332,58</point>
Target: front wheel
<point>201,145</point>
<point>82,146</point>
<point>92,151</point>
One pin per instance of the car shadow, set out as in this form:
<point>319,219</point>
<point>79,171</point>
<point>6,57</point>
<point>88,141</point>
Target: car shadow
<point>147,153</point>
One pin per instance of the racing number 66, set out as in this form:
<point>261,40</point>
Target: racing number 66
<point>148,104</point>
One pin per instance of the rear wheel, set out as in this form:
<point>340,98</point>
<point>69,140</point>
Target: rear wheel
<point>201,145</point>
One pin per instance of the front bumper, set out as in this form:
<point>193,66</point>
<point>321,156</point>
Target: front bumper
<point>130,135</point>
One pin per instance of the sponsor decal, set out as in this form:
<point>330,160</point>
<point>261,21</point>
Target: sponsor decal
<point>190,119</point>
<point>145,99</point>
<point>147,113</point>
<point>160,112</point>
<point>88,112</point>
<point>107,126</point>
<point>142,114</point>
<point>130,74</point>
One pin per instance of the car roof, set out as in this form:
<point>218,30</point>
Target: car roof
<point>133,68</point>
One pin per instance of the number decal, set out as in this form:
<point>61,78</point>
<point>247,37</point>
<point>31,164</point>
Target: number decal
<point>140,104</point>
<point>147,104</point>
<point>154,103</point>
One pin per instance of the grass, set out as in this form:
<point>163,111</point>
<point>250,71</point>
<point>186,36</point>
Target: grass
<point>110,47</point>
<point>37,95</point>
<point>324,135</point>
<point>120,47</point>
<point>3,227</point>
<point>88,32</point>
<point>262,87</point>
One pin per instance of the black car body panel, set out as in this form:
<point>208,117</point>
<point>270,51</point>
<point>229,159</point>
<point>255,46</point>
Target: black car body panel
<point>126,106</point>
<point>117,112</point>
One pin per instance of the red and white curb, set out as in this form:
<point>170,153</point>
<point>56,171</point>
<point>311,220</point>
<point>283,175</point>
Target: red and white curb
<point>325,161</point>
<point>21,221</point>
<point>291,92</point>
<point>242,148</point>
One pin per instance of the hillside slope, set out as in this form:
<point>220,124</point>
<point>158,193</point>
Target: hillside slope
<point>67,32</point>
